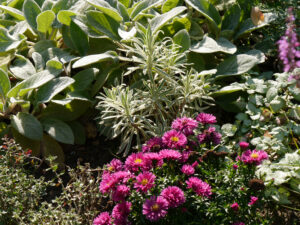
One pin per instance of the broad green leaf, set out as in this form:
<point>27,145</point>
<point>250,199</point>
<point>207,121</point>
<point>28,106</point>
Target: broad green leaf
<point>69,112</point>
<point>50,147</point>
<point>231,18</point>
<point>8,42</point>
<point>209,45</point>
<point>107,9</point>
<point>52,88</point>
<point>104,24</point>
<point>62,55</point>
<point>141,7</point>
<point>79,39</point>
<point>30,83</point>
<point>43,45</point>
<point>277,103</point>
<point>248,26</point>
<point>38,61</point>
<point>54,66</point>
<point>31,11</point>
<point>237,64</point>
<point>47,5</point>
<point>13,12</point>
<point>229,129</point>
<point>123,11</point>
<point>227,90</point>
<point>6,58</point>
<point>84,79</point>
<point>78,131</point>
<point>182,38</point>
<point>44,21</point>
<point>27,143</point>
<point>27,125</point>
<point>59,130</point>
<point>65,17</point>
<point>90,59</point>
<point>207,10</point>
<point>168,5</point>
<point>22,68</point>
<point>4,83</point>
<point>126,3</point>
<point>271,94</point>
<point>157,22</point>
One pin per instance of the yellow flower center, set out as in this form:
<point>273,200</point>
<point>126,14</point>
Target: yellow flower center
<point>144,182</point>
<point>174,139</point>
<point>254,155</point>
<point>138,161</point>
<point>155,207</point>
<point>111,168</point>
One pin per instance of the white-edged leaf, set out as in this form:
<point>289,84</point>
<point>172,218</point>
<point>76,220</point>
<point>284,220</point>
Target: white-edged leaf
<point>22,68</point>
<point>90,59</point>
<point>13,12</point>
<point>107,9</point>
<point>44,21</point>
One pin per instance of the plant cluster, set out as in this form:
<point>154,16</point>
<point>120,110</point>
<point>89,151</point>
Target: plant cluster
<point>183,178</point>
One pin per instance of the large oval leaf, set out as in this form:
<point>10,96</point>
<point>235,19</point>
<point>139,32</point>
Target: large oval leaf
<point>52,88</point>
<point>44,21</point>
<point>84,79</point>
<point>4,83</point>
<point>79,38</point>
<point>27,125</point>
<point>209,45</point>
<point>59,130</point>
<point>90,59</point>
<point>31,11</point>
<point>8,42</point>
<point>13,12</point>
<point>65,17</point>
<point>157,22</point>
<point>182,38</point>
<point>142,6</point>
<point>107,9</point>
<point>22,68</point>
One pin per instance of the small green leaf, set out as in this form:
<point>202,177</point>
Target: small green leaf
<point>79,39</point>
<point>65,17</point>
<point>54,67</point>
<point>107,9</point>
<point>4,83</point>
<point>142,6</point>
<point>229,129</point>
<point>27,125</point>
<point>168,5</point>
<point>182,38</point>
<point>59,130</point>
<point>277,104</point>
<point>8,42</point>
<point>31,11</point>
<point>44,21</point>
<point>84,79</point>
<point>91,59</point>
<point>13,12</point>
<point>231,18</point>
<point>209,45</point>
<point>22,68</point>
<point>52,88</point>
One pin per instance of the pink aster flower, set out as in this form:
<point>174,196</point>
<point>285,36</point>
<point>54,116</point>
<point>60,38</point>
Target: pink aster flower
<point>114,165</point>
<point>206,118</point>
<point>235,167</point>
<point>253,200</point>
<point>170,154</point>
<point>155,158</point>
<point>195,164</point>
<point>188,169</point>
<point>210,135</point>
<point>244,145</point>
<point>155,208</point>
<point>144,181</point>
<point>153,145</point>
<point>174,139</point>
<point>185,125</point>
<point>102,219</point>
<point>120,193</point>
<point>109,181</point>
<point>200,187</point>
<point>120,213</point>
<point>238,223</point>
<point>174,195</point>
<point>137,161</point>
<point>254,157</point>
<point>235,206</point>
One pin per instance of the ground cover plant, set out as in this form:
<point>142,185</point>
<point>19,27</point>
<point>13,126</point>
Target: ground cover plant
<point>143,82</point>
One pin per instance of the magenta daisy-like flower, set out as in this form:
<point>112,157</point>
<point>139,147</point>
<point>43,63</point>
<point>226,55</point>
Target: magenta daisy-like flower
<point>120,213</point>
<point>174,139</point>
<point>206,118</point>
<point>185,125</point>
<point>120,193</point>
<point>200,187</point>
<point>254,157</point>
<point>153,145</point>
<point>114,165</point>
<point>174,195</point>
<point>155,158</point>
<point>109,181</point>
<point>235,206</point>
<point>210,135</point>
<point>170,154</point>
<point>253,200</point>
<point>244,145</point>
<point>155,208</point>
<point>136,162</point>
<point>144,181</point>
<point>102,219</point>
<point>185,156</point>
<point>188,169</point>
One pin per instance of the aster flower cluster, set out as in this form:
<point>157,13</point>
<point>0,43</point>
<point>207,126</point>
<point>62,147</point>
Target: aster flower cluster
<point>165,176</point>
<point>288,45</point>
